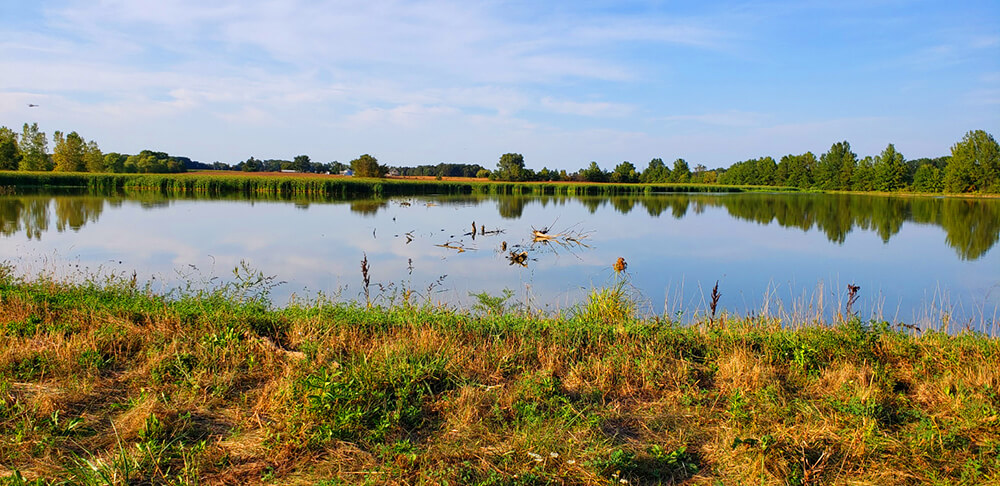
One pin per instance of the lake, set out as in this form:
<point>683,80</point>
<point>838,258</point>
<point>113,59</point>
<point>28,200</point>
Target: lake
<point>789,255</point>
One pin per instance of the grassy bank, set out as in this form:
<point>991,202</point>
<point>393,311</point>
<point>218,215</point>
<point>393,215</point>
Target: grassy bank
<point>107,383</point>
<point>331,186</point>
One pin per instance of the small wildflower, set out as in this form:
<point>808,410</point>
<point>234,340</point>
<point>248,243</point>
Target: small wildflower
<point>553,455</point>
<point>536,457</point>
<point>571,461</point>
<point>623,481</point>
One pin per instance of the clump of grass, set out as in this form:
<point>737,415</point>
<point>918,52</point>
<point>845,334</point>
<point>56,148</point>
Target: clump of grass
<point>614,304</point>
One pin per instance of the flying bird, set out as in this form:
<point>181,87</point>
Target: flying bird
<point>32,105</point>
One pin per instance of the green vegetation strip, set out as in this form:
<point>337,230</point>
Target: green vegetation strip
<point>104,382</point>
<point>213,184</point>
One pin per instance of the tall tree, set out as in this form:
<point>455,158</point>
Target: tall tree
<point>368,166</point>
<point>301,163</point>
<point>927,178</point>
<point>594,173</point>
<point>114,162</point>
<point>10,154</point>
<point>93,159</point>
<point>510,168</point>
<point>656,171</point>
<point>34,147</point>
<point>863,178</point>
<point>68,152</point>
<point>250,165</point>
<point>836,167</point>
<point>624,173</point>
<point>974,164</point>
<point>890,170</point>
<point>681,172</point>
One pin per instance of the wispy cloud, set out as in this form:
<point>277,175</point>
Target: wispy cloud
<point>727,119</point>
<point>587,108</point>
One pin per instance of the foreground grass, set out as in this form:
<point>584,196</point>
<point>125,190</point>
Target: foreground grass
<point>106,383</point>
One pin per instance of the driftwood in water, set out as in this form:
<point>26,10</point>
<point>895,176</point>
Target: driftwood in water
<point>450,246</point>
<point>520,258</point>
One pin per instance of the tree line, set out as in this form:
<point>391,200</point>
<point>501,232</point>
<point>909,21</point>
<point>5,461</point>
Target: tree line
<point>973,166</point>
<point>28,151</point>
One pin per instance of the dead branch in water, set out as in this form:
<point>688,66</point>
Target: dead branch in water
<point>454,246</point>
<point>520,258</point>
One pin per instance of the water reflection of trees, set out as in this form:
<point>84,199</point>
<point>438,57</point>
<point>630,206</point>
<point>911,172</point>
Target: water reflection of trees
<point>33,214</point>
<point>368,207</point>
<point>972,226</point>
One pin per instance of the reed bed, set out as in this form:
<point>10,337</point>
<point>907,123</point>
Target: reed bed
<point>330,186</point>
<point>104,382</point>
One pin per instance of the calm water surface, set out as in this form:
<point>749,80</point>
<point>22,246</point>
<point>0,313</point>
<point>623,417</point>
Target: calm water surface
<point>789,255</point>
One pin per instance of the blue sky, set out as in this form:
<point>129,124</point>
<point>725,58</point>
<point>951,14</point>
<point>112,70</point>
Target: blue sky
<point>562,83</point>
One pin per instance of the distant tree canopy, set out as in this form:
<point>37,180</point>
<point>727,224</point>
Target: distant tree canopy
<point>443,170</point>
<point>10,154</point>
<point>150,162</point>
<point>68,152</point>
<point>974,164</point>
<point>757,172</point>
<point>972,167</point>
<point>594,173</point>
<point>33,145</point>
<point>511,168</point>
<point>655,171</point>
<point>368,166</point>
<point>624,173</point>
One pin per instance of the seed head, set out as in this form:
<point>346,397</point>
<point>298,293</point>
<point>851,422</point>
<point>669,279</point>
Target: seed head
<point>620,265</point>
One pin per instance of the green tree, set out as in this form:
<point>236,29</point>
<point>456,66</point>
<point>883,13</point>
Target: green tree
<point>301,163</point>
<point>34,147</point>
<point>699,173</point>
<point>68,152</point>
<point>802,173</point>
<point>927,178</point>
<point>93,159</point>
<point>624,173</point>
<point>10,154</point>
<point>835,168</point>
<point>594,173</point>
<point>510,168</point>
<point>114,162</point>
<point>251,165</point>
<point>890,170</point>
<point>547,175</point>
<point>974,164</point>
<point>655,172</point>
<point>681,172</point>
<point>368,166</point>
<point>863,178</point>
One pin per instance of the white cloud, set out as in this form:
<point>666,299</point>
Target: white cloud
<point>727,119</point>
<point>587,108</point>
